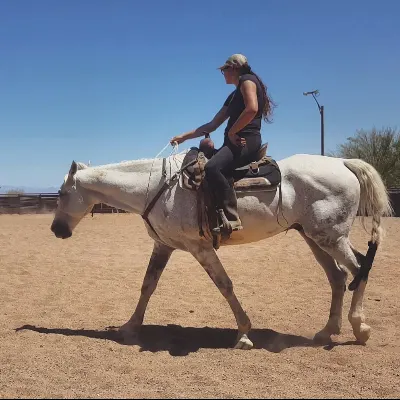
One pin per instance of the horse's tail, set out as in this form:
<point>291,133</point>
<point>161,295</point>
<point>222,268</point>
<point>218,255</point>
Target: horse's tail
<point>374,199</point>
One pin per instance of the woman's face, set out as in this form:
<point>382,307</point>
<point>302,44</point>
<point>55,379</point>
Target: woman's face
<point>229,74</point>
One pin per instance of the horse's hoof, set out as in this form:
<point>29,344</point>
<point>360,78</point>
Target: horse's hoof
<point>129,338</point>
<point>322,337</point>
<point>129,334</point>
<point>363,333</point>
<point>244,343</point>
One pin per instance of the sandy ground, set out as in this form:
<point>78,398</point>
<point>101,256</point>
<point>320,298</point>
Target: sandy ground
<point>58,299</point>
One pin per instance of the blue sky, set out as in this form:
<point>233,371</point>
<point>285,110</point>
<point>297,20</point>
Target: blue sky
<point>114,80</point>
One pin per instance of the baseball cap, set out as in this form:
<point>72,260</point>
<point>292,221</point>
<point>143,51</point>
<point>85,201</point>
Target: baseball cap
<point>235,60</point>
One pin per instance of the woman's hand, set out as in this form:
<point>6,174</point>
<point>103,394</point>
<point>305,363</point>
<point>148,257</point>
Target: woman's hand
<point>177,140</point>
<point>237,140</point>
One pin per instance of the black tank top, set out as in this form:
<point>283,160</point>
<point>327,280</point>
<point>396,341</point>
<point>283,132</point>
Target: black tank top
<point>235,104</point>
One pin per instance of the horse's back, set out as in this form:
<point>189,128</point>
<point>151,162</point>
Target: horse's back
<point>317,170</point>
<point>309,161</point>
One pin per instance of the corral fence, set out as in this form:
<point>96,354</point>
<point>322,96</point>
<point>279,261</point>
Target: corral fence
<point>37,203</point>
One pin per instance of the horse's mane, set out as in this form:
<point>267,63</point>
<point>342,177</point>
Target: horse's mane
<point>127,163</point>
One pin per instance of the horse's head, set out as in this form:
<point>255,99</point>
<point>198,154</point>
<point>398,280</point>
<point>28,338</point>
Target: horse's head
<point>74,203</point>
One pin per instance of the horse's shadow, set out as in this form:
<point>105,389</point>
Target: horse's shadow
<point>179,341</point>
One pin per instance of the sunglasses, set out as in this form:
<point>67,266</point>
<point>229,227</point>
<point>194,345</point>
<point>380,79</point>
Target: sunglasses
<point>225,68</point>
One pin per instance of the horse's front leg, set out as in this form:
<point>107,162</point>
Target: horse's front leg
<point>158,260</point>
<point>208,258</point>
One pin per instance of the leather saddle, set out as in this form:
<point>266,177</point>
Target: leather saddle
<point>260,175</point>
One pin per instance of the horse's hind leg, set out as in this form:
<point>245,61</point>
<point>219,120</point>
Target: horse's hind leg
<point>209,260</point>
<point>337,279</point>
<point>158,260</point>
<point>344,253</point>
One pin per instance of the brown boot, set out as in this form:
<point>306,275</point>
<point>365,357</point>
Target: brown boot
<point>229,213</point>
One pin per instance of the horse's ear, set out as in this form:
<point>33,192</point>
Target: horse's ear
<point>73,169</point>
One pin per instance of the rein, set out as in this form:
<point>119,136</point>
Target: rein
<point>166,184</point>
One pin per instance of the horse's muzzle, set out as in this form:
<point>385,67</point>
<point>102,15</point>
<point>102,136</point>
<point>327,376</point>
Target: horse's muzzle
<point>61,229</point>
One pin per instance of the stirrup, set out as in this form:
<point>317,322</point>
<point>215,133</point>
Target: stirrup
<point>226,227</point>
<point>221,228</point>
<point>236,228</point>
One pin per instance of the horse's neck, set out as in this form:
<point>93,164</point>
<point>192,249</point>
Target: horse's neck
<point>128,186</point>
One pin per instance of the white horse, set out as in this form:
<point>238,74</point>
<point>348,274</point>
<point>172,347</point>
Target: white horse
<point>320,198</point>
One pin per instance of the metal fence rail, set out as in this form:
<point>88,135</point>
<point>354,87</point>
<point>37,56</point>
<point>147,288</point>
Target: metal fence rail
<point>36,203</point>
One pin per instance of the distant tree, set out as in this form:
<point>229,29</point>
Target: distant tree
<point>380,148</point>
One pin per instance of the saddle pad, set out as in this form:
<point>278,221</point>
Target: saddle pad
<point>270,171</point>
<point>253,184</point>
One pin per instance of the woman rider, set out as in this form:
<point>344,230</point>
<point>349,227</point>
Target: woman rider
<point>245,107</point>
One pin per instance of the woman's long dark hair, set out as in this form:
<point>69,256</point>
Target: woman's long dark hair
<point>269,104</point>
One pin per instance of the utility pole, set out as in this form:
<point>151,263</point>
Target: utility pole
<point>315,93</point>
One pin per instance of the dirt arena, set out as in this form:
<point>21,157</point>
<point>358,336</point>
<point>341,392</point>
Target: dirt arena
<point>59,298</point>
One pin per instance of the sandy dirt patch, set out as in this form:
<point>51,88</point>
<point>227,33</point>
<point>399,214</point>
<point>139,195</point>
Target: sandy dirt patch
<point>58,299</point>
